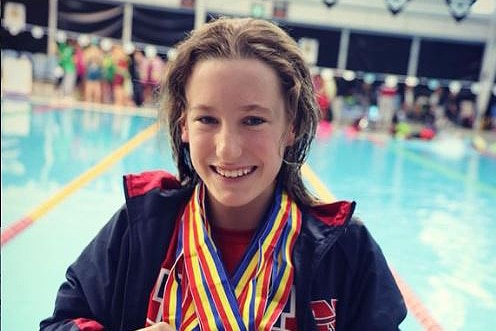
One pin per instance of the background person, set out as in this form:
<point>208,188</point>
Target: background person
<point>93,58</point>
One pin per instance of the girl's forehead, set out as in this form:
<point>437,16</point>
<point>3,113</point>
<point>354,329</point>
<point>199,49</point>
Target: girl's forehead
<point>243,62</point>
<point>233,74</point>
<point>247,85</point>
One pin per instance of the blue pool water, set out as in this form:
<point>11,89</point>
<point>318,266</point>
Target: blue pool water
<point>430,207</point>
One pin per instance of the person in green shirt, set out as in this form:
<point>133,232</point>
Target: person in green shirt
<point>66,62</point>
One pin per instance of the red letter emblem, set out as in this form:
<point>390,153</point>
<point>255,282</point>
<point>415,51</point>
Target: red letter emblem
<point>325,314</point>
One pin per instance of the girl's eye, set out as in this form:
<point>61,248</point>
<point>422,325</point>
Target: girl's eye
<point>252,121</point>
<point>206,120</point>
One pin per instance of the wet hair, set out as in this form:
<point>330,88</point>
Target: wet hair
<point>245,38</point>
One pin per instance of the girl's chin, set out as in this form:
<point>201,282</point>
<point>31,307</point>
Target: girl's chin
<point>232,201</point>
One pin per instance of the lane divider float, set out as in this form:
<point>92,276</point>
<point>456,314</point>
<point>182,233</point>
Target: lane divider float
<point>413,303</point>
<point>19,226</point>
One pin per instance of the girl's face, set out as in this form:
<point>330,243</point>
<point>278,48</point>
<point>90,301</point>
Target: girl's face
<point>237,130</point>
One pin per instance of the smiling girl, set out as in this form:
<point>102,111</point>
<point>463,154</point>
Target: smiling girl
<point>236,242</point>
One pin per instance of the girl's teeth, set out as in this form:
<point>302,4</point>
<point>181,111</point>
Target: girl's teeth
<point>233,173</point>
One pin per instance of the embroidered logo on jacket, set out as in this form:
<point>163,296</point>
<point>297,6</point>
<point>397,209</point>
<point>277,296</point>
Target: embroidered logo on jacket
<point>287,319</point>
<point>323,311</point>
<point>324,314</point>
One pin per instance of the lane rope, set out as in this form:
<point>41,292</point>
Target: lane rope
<point>420,312</point>
<point>19,226</point>
<point>413,303</point>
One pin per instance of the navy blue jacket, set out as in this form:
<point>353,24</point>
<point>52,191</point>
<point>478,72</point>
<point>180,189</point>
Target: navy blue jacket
<point>342,281</point>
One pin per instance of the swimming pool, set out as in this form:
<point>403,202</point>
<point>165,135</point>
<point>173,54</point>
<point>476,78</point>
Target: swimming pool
<point>432,207</point>
<point>431,212</point>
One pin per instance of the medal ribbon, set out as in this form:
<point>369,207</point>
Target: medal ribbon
<point>200,295</point>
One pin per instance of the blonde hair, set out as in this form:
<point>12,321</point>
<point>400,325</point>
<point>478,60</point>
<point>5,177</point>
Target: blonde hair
<point>245,38</point>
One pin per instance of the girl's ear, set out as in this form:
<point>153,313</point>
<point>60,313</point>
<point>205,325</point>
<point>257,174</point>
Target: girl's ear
<point>290,137</point>
<point>184,132</point>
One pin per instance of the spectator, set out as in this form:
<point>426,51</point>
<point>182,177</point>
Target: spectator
<point>66,62</point>
<point>93,85</point>
<point>135,63</point>
<point>121,76</point>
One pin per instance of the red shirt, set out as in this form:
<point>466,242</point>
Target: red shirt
<point>232,245</point>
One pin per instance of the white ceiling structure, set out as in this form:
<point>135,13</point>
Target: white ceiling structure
<point>418,19</point>
<point>426,18</point>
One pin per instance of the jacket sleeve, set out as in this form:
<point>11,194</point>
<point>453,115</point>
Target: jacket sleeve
<point>84,300</point>
<point>373,300</point>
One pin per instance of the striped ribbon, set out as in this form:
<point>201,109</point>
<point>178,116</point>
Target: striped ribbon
<point>199,295</point>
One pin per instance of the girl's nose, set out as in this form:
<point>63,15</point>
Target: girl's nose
<point>228,144</point>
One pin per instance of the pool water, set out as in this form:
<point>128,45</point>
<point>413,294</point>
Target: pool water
<point>432,209</point>
<point>430,206</point>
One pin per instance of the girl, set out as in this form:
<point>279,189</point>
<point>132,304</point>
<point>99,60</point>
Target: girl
<point>236,242</point>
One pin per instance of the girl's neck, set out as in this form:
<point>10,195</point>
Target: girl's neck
<point>246,217</point>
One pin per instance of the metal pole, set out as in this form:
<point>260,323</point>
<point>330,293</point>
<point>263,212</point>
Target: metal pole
<point>343,48</point>
<point>414,57</point>
<point>52,27</point>
<point>487,75</point>
<point>127,24</point>
<point>200,12</point>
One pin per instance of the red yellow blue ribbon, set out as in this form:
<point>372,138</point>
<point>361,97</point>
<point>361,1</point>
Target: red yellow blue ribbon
<point>199,294</point>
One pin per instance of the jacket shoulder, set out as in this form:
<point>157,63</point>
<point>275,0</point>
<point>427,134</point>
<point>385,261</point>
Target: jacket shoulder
<point>357,237</point>
<point>141,183</point>
<point>333,214</point>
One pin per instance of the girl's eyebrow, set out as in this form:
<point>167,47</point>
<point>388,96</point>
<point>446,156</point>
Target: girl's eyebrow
<point>255,107</point>
<point>245,108</point>
<point>201,107</point>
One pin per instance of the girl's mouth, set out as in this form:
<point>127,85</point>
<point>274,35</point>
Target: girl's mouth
<point>234,173</point>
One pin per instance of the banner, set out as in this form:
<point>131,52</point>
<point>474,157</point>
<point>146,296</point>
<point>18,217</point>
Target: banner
<point>188,4</point>
<point>95,18</point>
<point>280,9</point>
<point>14,17</point>
<point>262,9</point>
<point>310,49</point>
